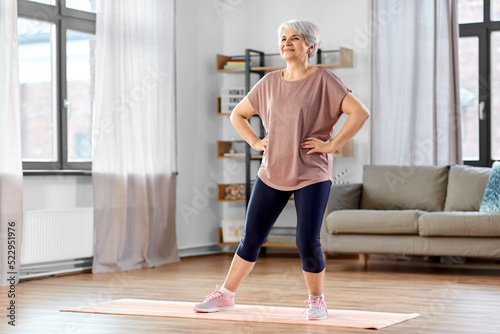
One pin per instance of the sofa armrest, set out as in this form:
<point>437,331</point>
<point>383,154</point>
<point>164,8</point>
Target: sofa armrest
<point>344,197</point>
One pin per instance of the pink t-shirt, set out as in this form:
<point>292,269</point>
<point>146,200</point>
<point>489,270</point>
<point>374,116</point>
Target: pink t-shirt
<point>291,111</point>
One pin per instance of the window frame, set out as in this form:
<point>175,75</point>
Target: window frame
<point>63,18</point>
<point>483,30</point>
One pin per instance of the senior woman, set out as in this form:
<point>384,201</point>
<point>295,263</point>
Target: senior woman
<point>299,107</point>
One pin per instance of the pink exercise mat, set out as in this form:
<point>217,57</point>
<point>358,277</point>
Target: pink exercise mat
<point>249,313</point>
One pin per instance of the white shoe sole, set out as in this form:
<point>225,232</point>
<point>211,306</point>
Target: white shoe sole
<point>315,318</point>
<point>215,309</point>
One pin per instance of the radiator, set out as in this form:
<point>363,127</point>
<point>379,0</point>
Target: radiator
<point>57,235</point>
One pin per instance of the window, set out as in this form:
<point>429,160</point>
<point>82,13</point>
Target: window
<point>469,96</point>
<point>47,2</point>
<point>56,75</point>
<point>479,67</point>
<point>37,85</point>
<point>495,10</point>
<point>85,5</point>
<point>470,11</point>
<point>495,89</point>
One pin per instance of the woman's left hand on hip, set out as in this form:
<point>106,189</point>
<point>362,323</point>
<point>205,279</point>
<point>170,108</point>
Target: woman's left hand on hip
<point>315,145</point>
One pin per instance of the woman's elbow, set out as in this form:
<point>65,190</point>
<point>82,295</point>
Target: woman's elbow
<point>362,114</point>
<point>366,113</point>
<point>234,115</point>
<point>231,117</point>
<point>237,115</point>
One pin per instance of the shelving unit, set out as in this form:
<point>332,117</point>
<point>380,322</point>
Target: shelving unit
<point>224,148</point>
<point>257,59</point>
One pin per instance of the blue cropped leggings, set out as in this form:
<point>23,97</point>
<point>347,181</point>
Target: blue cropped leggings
<point>264,207</point>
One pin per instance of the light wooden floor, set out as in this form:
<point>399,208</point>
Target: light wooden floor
<point>450,299</point>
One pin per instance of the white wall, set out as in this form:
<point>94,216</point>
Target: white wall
<point>199,32</point>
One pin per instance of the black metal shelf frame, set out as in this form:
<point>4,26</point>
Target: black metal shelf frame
<point>248,158</point>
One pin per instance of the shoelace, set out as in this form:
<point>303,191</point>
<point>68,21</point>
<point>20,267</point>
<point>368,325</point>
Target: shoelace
<point>316,303</point>
<point>215,294</point>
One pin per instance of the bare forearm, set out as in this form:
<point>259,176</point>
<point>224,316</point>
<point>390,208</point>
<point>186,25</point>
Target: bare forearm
<point>244,129</point>
<point>351,127</point>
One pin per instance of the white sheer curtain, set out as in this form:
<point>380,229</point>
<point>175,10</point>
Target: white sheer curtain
<point>11,172</point>
<point>134,162</point>
<point>415,111</point>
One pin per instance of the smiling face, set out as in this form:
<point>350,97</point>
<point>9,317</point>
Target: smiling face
<point>293,46</point>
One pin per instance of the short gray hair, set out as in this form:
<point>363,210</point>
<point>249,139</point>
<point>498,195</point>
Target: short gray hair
<point>306,28</point>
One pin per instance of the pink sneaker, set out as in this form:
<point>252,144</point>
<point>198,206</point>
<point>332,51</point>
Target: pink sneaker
<point>316,309</point>
<point>215,302</point>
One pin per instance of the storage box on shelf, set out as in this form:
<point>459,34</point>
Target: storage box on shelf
<point>231,192</point>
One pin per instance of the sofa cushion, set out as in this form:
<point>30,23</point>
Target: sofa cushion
<point>491,198</point>
<point>373,222</point>
<point>404,187</point>
<point>465,189</point>
<point>459,224</point>
<point>344,196</point>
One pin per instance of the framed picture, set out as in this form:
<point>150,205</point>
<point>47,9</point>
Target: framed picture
<point>232,230</point>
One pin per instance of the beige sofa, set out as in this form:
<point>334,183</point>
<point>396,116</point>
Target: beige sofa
<point>414,210</point>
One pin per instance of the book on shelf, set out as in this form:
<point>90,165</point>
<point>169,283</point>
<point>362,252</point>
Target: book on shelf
<point>234,154</point>
<point>236,63</point>
<point>240,63</point>
<point>230,67</point>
